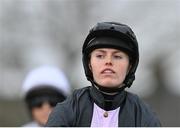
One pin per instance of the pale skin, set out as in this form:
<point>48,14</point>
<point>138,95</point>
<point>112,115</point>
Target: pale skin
<point>41,114</point>
<point>109,66</point>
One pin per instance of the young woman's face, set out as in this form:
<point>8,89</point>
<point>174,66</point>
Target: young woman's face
<point>109,66</point>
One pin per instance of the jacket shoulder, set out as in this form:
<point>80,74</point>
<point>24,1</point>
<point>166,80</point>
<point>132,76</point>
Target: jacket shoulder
<point>143,111</point>
<point>80,92</point>
<point>60,115</point>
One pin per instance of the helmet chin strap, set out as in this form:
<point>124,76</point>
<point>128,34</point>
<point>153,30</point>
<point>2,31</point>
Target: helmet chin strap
<point>108,90</point>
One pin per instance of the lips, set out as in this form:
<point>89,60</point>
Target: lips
<point>108,71</point>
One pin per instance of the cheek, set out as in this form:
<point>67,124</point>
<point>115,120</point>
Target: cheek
<point>94,67</point>
<point>123,68</point>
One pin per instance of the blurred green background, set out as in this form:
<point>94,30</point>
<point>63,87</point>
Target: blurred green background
<point>13,113</point>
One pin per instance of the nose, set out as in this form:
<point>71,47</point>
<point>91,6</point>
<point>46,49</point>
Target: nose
<point>108,60</point>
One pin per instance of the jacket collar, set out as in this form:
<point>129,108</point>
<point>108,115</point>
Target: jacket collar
<point>107,102</point>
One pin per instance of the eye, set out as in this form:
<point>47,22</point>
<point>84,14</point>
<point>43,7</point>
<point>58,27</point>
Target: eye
<point>99,56</point>
<point>118,57</point>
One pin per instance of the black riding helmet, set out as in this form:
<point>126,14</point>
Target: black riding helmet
<point>111,35</point>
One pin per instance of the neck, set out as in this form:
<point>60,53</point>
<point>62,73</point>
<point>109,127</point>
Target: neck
<point>106,93</point>
<point>108,90</point>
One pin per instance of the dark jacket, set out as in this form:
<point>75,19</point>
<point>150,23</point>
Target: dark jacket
<point>77,110</point>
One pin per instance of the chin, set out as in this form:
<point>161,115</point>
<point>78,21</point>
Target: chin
<point>108,84</point>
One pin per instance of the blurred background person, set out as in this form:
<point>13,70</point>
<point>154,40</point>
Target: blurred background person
<point>43,88</point>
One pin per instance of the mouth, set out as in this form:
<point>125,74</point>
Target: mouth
<point>107,71</point>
